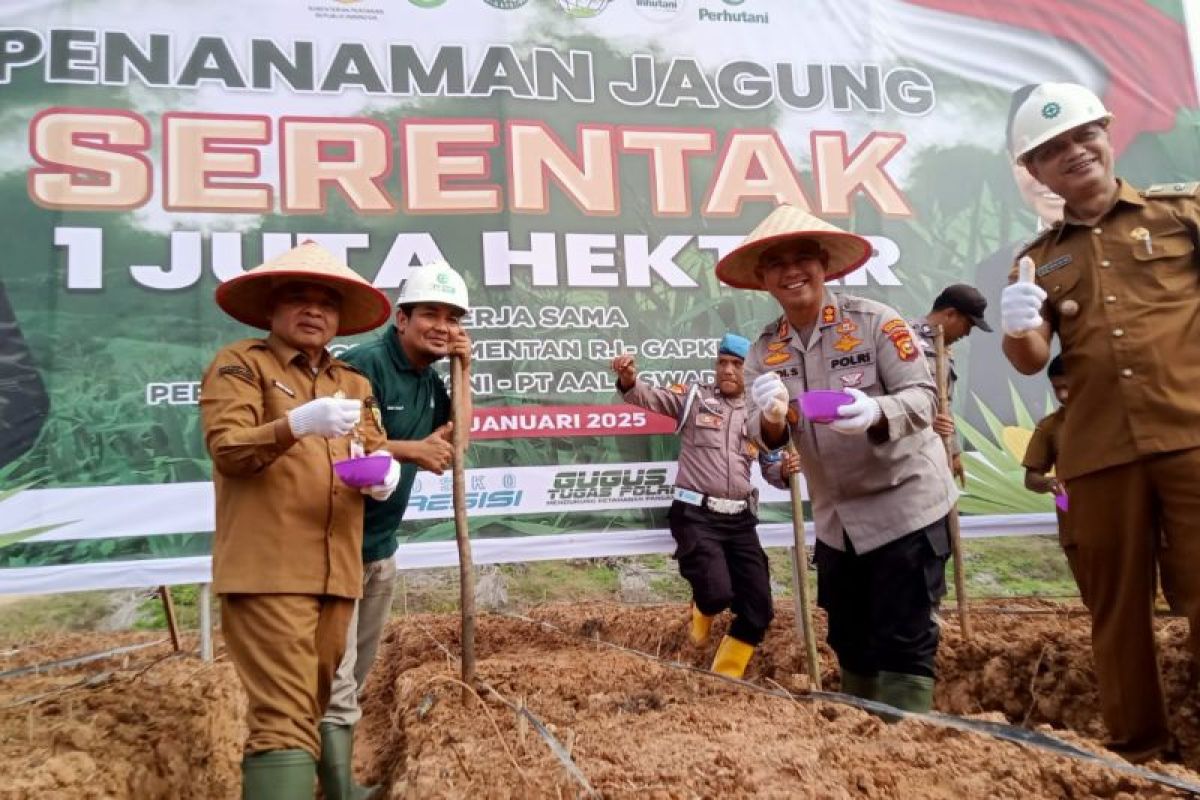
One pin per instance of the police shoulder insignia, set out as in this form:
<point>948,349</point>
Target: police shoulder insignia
<point>1166,190</point>
<point>238,371</point>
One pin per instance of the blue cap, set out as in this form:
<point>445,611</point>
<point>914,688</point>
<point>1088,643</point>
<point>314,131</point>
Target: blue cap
<point>734,345</point>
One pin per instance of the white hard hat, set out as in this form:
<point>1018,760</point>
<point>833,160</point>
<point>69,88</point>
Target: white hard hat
<point>1051,109</point>
<point>436,282</point>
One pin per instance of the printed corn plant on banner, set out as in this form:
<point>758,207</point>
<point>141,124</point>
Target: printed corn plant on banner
<point>583,164</point>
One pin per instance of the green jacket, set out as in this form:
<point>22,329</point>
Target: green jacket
<point>413,402</point>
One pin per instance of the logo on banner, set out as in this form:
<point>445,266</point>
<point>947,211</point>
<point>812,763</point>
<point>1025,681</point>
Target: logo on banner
<point>658,10</point>
<point>427,3</point>
<point>506,5</point>
<point>583,9</point>
<point>731,16</point>
<point>608,485</point>
<point>438,495</point>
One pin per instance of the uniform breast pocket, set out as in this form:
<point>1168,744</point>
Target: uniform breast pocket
<point>277,403</point>
<point>1166,258</point>
<point>858,376</point>
<point>706,437</point>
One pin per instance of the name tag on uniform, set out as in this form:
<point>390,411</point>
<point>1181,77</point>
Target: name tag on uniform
<point>706,420</point>
<point>1051,266</point>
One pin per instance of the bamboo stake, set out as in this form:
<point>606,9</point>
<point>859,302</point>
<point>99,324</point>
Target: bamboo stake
<point>800,578</point>
<point>164,593</point>
<point>462,533</point>
<point>960,582</point>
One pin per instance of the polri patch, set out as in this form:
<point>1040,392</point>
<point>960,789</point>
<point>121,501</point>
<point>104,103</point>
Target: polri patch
<point>1051,266</point>
<point>828,315</point>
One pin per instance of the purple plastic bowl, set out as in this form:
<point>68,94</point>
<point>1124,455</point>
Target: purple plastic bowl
<point>1060,500</point>
<point>362,471</point>
<point>821,405</point>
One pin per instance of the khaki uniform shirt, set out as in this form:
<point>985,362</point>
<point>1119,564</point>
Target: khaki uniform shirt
<point>1041,454</point>
<point>927,336</point>
<point>716,451</point>
<point>1124,299</point>
<point>875,488</point>
<point>285,523</point>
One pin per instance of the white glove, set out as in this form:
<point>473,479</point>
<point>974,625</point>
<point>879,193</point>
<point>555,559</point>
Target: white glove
<point>771,397</point>
<point>382,491</point>
<point>325,416</point>
<point>1021,302</point>
<point>856,417</point>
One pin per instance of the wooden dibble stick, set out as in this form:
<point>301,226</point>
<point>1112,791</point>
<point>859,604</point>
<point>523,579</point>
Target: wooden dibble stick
<point>800,578</point>
<point>960,581</point>
<point>462,533</point>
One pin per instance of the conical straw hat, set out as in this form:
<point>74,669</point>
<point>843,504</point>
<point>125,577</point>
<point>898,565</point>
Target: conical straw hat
<point>847,251</point>
<point>247,297</point>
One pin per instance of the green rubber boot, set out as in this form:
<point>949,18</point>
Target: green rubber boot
<point>859,685</point>
<point>336,767</point>
<point>906,692</point>
<point>278,775</point>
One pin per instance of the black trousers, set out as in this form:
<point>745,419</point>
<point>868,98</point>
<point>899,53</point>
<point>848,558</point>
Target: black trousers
<point>719,555</point>
<point>881,604</point>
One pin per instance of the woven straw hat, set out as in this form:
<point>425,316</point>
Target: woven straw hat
<point>247,297</point>
<point>847,251</point>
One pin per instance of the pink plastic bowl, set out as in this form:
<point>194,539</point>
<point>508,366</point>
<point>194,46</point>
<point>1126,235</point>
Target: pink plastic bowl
<point>821,405</point>
<point>1060,500</point>
<point>362,471</point>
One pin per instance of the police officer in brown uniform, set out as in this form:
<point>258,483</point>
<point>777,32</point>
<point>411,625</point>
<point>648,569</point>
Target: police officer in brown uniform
<point>715,512</point>
<point>1118,280</point>
<point>958,309</point>
<point>877,478</point>
<point>277,412</point>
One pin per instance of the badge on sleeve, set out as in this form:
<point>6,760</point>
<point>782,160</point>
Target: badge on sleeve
<point>710,421</point>
<point>238,371</point>
<point>897,331</point>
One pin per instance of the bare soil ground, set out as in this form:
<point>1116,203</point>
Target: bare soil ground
<point>145,726</point>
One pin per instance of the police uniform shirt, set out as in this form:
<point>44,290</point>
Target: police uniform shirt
<point>1123,295</point>
<point>412,404</point>
<point>876,488</point>
<point>716,451</point>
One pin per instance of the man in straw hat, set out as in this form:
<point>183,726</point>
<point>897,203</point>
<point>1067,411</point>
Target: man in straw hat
<point>277,412</point>
<point>1117,280</point>
<point>714,517</point>
<point>880,491</point>
<point>415,411</point>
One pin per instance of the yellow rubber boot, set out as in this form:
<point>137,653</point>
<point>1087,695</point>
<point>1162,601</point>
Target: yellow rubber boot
<point>701,624</point>
<point>732,657</point>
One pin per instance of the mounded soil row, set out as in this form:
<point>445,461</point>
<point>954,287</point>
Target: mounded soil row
<point>145,726</point>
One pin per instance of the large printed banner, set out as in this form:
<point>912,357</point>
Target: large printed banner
<point>583,163</point>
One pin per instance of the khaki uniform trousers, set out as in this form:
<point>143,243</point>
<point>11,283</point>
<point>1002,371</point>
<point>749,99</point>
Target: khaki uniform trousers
<point>285,648</point>
<point>362,641</point>
<point>1116,516</point>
